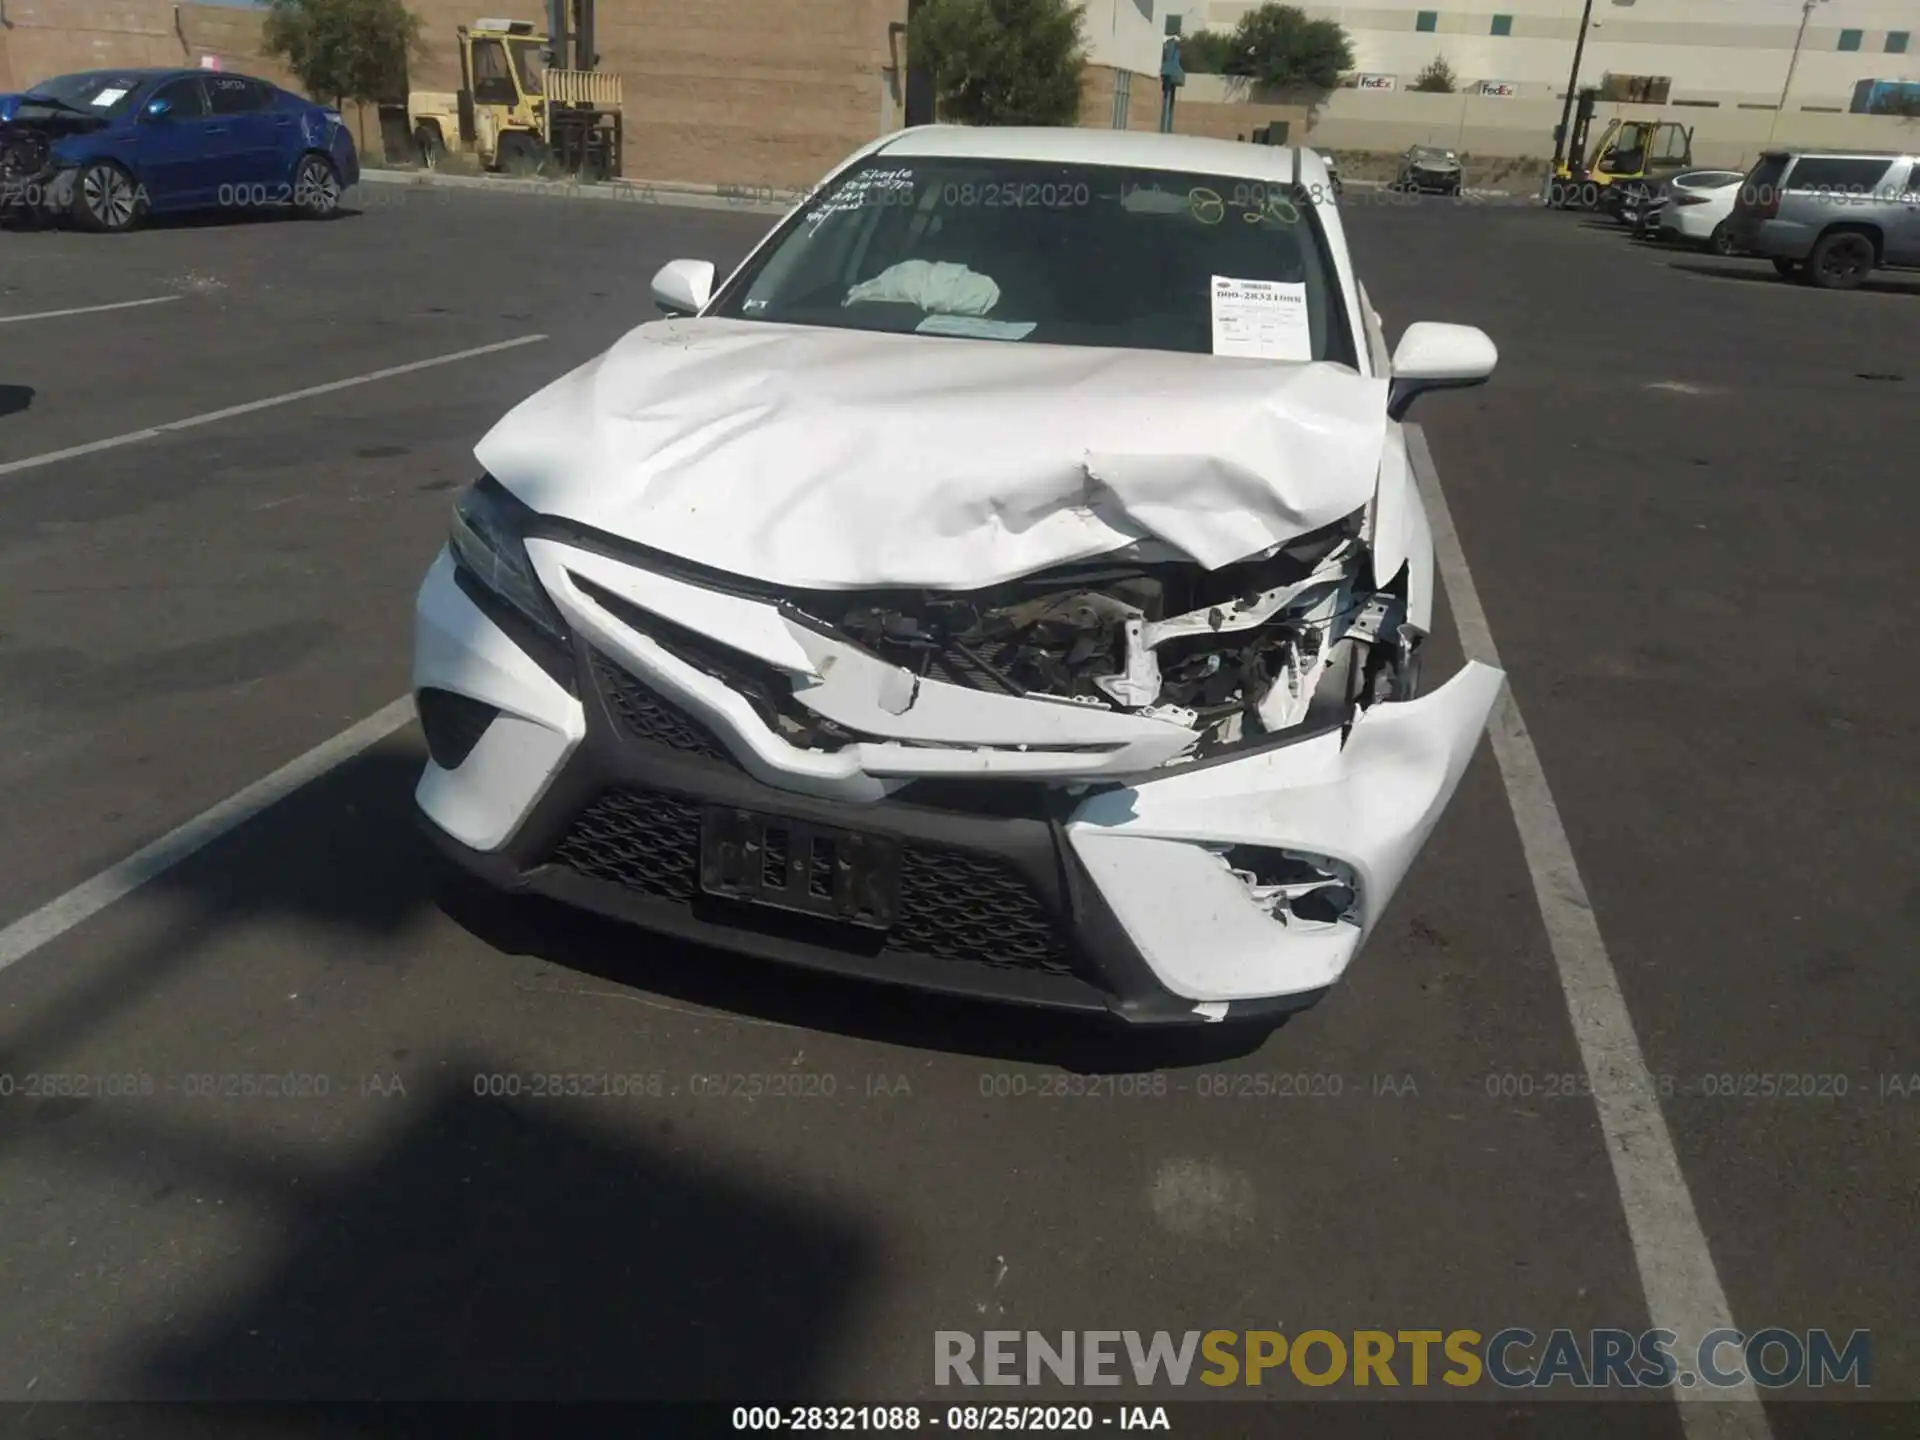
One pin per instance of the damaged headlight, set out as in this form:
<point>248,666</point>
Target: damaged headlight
<point>1251,649</point>
<point>489,540</point>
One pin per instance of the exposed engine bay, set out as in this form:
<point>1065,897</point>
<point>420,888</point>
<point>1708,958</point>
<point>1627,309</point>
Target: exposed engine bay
<point>27,168</point>
<point>25,156</point>
<point>26,152</point>
<point>1303,634</point>
<point>1235,653</point>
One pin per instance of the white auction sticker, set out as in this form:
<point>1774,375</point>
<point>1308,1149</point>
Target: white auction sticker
<point>1261,319</point>
<point>109,97</point>
<point>975,328</point>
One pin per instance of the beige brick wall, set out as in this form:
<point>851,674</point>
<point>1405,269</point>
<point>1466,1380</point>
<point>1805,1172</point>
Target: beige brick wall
<point>752,92</point>
<point>53,37</point>
<point>1231,122</point>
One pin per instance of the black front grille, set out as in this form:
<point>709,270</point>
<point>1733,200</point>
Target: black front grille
<point>644,714</point>
<point>953,905</point>
<point>956,906</point>
<point>638,839</point>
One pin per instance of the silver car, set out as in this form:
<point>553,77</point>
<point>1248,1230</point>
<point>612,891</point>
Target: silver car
<point>1830,218</point>
<point>1429,169</point>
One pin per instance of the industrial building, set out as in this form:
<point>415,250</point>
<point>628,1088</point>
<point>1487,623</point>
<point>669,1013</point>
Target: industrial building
<point>1703,54</point>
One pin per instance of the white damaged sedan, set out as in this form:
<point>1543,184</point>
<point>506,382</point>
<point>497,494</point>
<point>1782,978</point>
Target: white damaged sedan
<point>1011,582</point>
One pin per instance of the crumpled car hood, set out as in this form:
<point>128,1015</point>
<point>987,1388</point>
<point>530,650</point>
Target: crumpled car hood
<point>838,459</point>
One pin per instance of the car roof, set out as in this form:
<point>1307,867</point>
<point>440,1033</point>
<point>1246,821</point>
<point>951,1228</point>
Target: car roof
<point>1123,149</point>
<point>154,72</point>
<point>1840,154</point>
<point>147,72</point>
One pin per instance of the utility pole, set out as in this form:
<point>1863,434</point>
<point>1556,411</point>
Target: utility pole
<point>1793,61</point>
<point>917,94</point>
<point>1566,110</point>
<point>1172,76</point>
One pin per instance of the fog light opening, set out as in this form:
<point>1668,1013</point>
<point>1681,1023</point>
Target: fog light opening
<point>1327,905</point>
<point>453,724</point>
<point>1311,891</point>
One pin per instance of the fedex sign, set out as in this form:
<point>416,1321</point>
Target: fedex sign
<point>1501,89</point>
<point>1376,82</point>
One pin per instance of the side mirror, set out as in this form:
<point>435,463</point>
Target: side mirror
<point>683,287</point>
<point>1432,356</point>
<point>159,109</point>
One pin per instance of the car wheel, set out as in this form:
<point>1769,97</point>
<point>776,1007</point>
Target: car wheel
<point>1840,261</point>
<point>520,157</point>
<point>1720,242</point>
<point>432,149</point>
<point>1788,268</point>
<point>106,199</point>
<point>316,188</point>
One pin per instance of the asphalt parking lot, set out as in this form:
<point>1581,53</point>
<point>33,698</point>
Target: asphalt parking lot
<point>1687,502</point>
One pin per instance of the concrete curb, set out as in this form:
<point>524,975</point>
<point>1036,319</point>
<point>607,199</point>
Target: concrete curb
<point>746,199</point>
<point>741,199</point>
<point>1472,192</point>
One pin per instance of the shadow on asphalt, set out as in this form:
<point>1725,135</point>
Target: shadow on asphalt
<point>220,217</point>
<point>738,985</point>
<point>346,853</point>
<point>493,1249</point>
<point>1762,273</point>
<point>14,399</point>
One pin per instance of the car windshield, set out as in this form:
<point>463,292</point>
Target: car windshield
<point>532,63</point>
<point>1054,253</point>
<point>1425,152</point>
<point>98,92</point>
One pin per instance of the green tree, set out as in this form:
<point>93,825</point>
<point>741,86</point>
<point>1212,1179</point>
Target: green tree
<point>1277,45</point>
<point>1206,52</point>
<point>1001,62</point>
<point>344,49</point>
<point>1436,79</point>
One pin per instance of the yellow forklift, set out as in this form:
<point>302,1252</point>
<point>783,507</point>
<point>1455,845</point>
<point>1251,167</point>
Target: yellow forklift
<point>521,109</point>
<point>1642,151</point>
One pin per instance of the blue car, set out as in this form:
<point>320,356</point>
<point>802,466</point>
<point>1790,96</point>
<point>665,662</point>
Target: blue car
<point>109,147</point>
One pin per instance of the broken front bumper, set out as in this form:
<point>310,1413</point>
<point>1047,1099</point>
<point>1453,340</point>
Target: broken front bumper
<point>44,193</point>
<point>585,771</point>
<point>33,181</point>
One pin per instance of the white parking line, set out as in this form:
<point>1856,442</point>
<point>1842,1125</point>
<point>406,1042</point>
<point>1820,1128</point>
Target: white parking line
<point>132,436</point>
<point>88,309</point>
<point>89,898</point>
<point>1677,1275</point>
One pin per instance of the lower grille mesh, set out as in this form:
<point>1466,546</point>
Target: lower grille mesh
<point>644,715</point>
<point>954,906</point>
<point>638,839</point>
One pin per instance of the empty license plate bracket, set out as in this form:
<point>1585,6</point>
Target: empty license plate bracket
<point>792,865</point>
